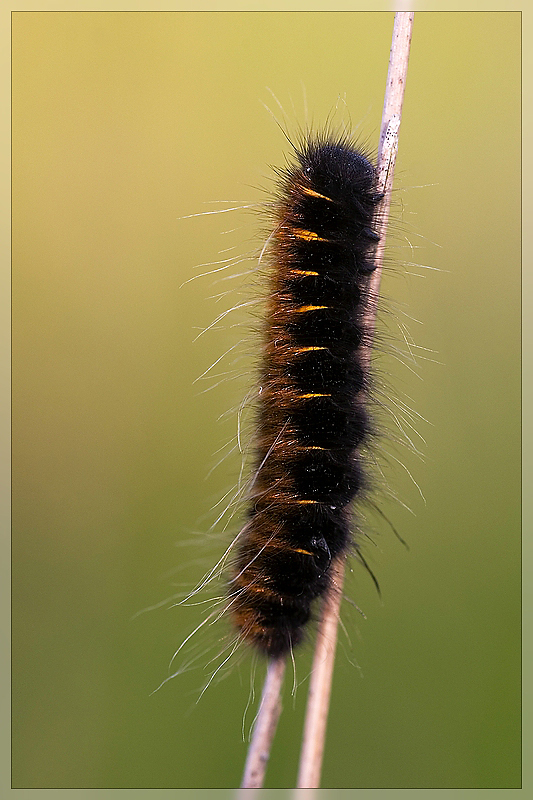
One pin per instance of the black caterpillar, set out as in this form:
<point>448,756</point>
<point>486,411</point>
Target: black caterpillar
<point>311,417</point>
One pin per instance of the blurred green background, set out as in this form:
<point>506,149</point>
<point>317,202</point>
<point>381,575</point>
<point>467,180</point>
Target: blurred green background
<point>122,124</point>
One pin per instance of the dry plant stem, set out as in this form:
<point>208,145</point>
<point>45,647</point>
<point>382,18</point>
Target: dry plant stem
<point>388,145</point>
<point>319,692</point>
<point>320,686</point>
<point>265,726</point>
<point>321,677</point>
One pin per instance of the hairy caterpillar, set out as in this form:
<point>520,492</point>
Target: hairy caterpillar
<point>311,415</point>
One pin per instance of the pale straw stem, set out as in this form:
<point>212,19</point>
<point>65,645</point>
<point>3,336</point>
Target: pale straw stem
<point>265,726</point>
<point>324,659</point>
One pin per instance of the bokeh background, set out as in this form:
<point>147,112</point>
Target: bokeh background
<point>123,124</point>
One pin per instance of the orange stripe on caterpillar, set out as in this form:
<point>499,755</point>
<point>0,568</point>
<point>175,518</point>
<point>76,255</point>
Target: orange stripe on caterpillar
<point>308,349</point>
<point>303,309</point>
<point>307,236</point>
<point>312,394</point>
<point>312,193</point>
<point>250,587</point>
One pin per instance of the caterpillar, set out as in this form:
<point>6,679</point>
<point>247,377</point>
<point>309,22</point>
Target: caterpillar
<point>311,417</point>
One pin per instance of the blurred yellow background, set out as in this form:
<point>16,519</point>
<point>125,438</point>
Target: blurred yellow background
<point>123,123</point>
